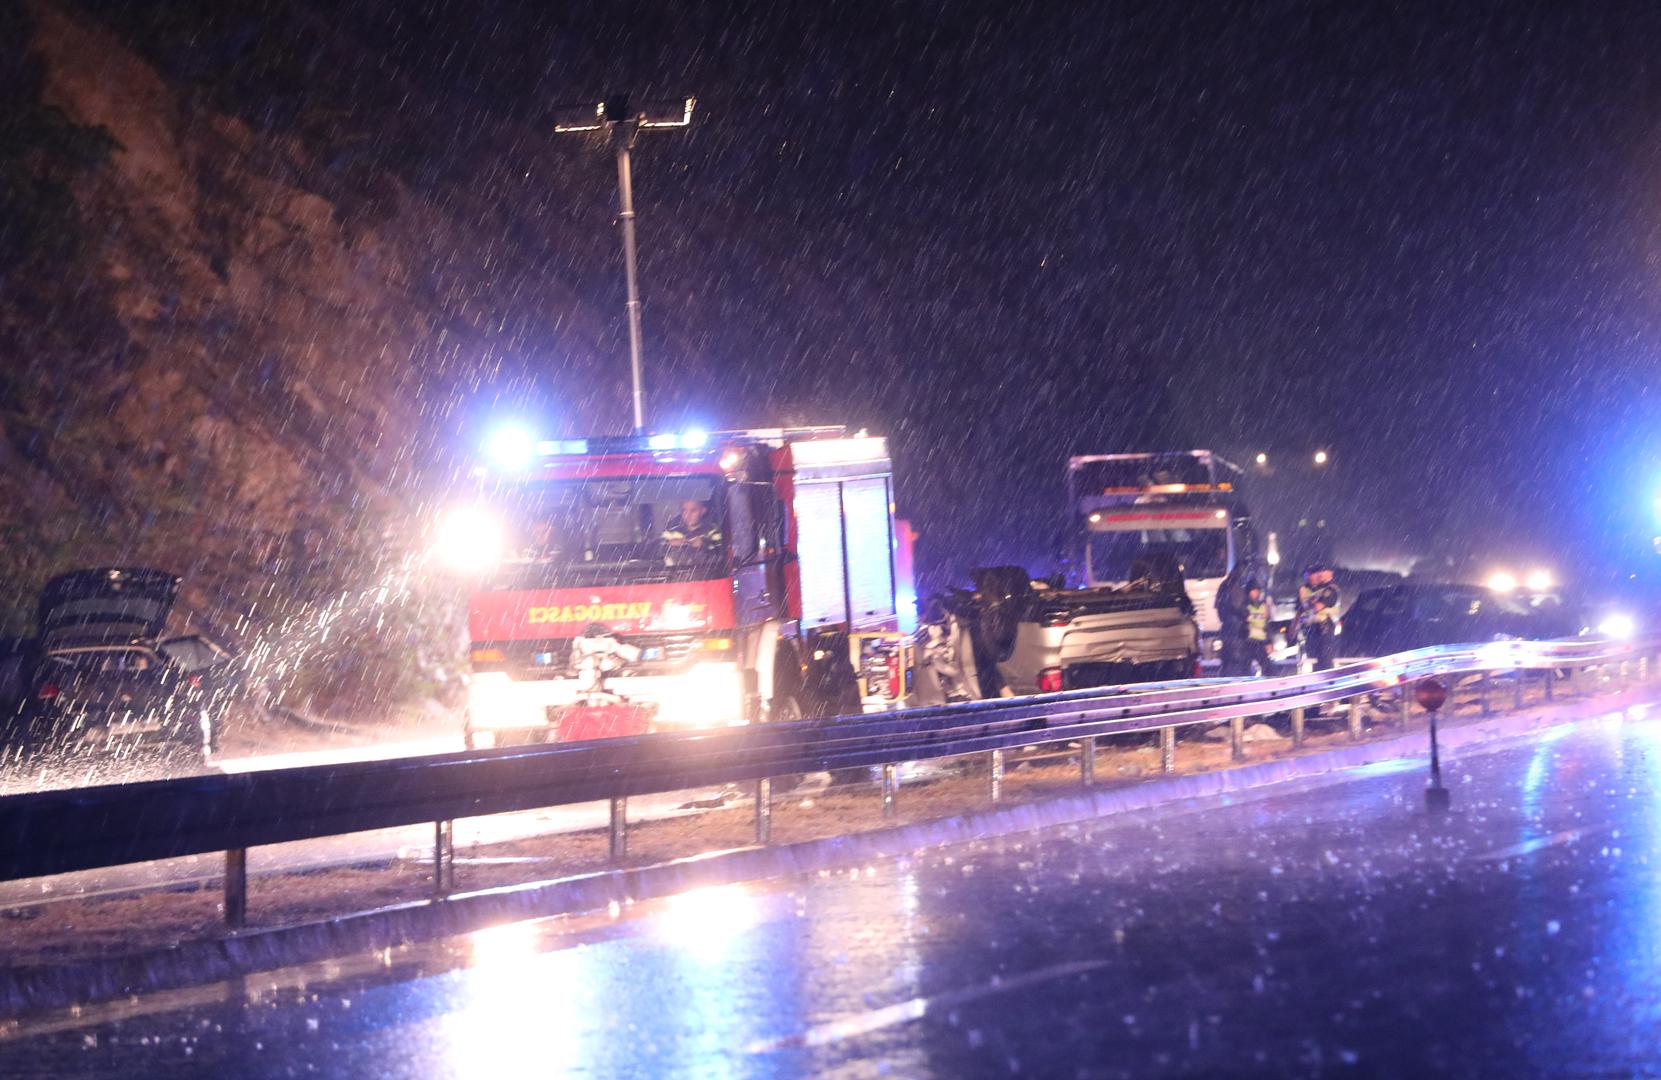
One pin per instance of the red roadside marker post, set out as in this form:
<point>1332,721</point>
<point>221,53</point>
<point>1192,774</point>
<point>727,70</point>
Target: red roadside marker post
<point>1431,695</point>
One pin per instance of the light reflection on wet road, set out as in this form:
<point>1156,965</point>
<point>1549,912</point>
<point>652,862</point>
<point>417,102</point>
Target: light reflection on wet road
<point>1334,930</point>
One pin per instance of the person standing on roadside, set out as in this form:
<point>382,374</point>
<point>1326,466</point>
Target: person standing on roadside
<point>1257,616</point>
<point>1231,623</point>
<point>1318,600</point>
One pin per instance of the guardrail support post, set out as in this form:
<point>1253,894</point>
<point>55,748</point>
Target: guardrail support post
<point>236,888</point>
<point>1551,683</point>
<point>444,858</point>
<point>997,776</point>
<point>1482,688</point>
<point>764,811</point>
<point>1517,690</point>
<point>619,829</point>
<point>890,790</point>
<point>1087,760</point>
<point>1404,705</point>
<point>1237,739</point>
<point>1168,749</point>
<point>1297,728</point>
<point>1353,718</point>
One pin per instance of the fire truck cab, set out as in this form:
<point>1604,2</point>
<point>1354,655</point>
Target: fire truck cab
<point>629,584</point>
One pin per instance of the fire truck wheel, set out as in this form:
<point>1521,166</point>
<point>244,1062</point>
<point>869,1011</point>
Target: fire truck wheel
<point>832,687</point>
<point>783,708</point>
<point>847,701</point>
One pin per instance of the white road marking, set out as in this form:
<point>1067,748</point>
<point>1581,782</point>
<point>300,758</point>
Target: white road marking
<point>849,1027</point>
<point>1528,847</point>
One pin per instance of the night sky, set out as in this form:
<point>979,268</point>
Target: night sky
<point>1423,238</point>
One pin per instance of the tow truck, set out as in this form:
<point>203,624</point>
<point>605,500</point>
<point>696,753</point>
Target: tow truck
<point>1161,513</point>
<point>594,610</point>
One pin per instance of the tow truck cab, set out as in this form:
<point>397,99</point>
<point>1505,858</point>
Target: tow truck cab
<point>601,607</point>
<point>1165,512</point>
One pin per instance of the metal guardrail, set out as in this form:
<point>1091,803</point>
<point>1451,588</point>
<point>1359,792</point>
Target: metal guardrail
<point>53,832</point>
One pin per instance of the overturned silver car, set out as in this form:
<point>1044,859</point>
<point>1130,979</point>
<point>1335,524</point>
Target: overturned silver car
<point>1012,635</point>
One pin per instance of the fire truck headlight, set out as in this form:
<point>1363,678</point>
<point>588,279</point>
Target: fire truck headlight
<point>1502,582</point>
<point>1539,581</point>
<point>470,541</point>
<point>494,700</point>
<point>707,695</point>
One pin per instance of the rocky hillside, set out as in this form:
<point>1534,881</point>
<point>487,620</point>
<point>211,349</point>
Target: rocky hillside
<point>221,357</point>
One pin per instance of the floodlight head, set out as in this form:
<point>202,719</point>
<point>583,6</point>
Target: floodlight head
<point>669,114</point>
<point>620,111</point>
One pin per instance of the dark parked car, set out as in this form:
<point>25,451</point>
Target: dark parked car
<point>100,680</point>
<point>1414,615</point>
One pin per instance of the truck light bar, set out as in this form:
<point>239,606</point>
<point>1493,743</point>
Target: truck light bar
<point>1108,521</point>
<point>1169,489</point>
<point>555,447</point>
<point>694,440</point>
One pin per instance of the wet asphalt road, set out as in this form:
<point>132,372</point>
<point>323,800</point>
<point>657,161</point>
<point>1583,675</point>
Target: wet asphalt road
<point>1334,931</point>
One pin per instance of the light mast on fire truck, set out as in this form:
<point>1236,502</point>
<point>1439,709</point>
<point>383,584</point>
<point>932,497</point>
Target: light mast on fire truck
<point>621,125</point>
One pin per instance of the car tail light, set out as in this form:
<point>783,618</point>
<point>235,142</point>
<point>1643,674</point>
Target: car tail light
<point>1199,667</point>
<point>1049,680</point>
<point>195,681</point>
<point>1058,618</point>
<point>47,692</point>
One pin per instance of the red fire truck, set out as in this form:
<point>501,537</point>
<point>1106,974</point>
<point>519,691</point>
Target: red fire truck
<point>628,584</point>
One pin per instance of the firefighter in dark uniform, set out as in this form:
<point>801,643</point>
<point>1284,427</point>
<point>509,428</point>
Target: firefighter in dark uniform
<point>1318,616</point>
<point>1231,621</point>
<point>693,530</point>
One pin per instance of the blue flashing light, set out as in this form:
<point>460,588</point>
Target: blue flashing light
<point>511,447</point>
<point>662,442</point>
<point>905,605</point>
<point>694,440</point>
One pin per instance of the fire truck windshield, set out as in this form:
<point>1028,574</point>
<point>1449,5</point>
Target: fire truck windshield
<point>633,529</point>
<point>1116,556</point>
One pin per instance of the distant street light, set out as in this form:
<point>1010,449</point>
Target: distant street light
<point>1262,459</point>
<point>1320,457</point>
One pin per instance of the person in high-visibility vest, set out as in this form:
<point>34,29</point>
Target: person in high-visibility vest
<point>1257,628</point>
<point>1318,616</point>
